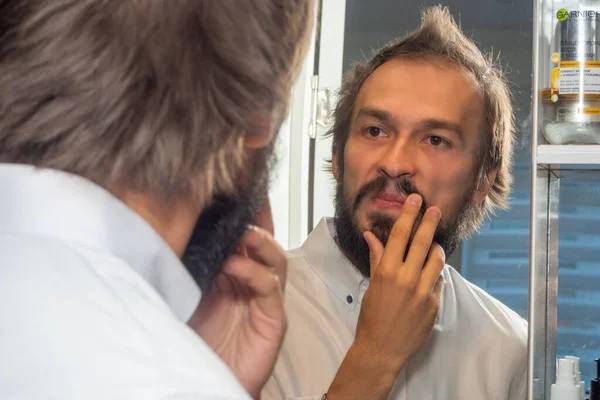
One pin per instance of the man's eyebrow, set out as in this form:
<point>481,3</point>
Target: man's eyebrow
<point>432,124</point>
<point>383,116</point>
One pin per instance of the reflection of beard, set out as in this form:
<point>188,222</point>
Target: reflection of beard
<point>350,235</point>
<point>221,225</point>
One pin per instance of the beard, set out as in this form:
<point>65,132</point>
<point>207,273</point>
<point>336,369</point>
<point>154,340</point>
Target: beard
<point>222,224</point>
<point>350,235</point>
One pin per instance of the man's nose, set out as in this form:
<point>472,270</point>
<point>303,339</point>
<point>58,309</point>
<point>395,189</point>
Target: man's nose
<point>399,159</point>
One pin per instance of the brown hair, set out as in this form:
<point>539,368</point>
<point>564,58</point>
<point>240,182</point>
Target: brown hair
<point>151,95</point>
<point>440,38</point>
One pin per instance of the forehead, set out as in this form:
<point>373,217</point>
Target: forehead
<point>417,89</point>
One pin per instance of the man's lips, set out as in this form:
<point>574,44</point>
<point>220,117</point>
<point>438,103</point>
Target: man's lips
<point>389,200</point>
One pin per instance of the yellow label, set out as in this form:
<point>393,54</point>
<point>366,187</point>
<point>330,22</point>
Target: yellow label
<point>588,110</point>
<point>579,114</point>
<point>576,64</point>
<point>575,77</point>
<point>578,110</point>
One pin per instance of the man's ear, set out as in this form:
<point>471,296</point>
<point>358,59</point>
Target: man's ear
<point>334,167</point>
<point>485,186</point>
<point>259,140</point>
<point>262,136</point>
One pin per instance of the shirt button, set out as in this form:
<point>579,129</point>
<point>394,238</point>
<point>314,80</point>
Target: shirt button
<point>349,299</point>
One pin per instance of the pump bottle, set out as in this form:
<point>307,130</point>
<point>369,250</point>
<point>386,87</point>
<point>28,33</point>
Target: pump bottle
<point>578,380</point>
<point>565,388</point>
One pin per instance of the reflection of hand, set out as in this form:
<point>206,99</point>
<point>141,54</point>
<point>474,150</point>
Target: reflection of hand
<point>399,308</point>
<point>243,318</point>
<point>402,301</point>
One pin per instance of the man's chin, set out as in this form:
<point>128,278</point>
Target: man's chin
<point>380,224</point>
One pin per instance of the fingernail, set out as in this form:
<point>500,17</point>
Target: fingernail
<point>415,199</point>
<point>435,211</point>
<point>242,251</point>
<point>254,228</point>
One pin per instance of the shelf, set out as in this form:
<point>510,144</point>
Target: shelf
<point>571,156</point>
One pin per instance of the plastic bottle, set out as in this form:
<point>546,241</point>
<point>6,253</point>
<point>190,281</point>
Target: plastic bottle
<point>571,107</point>
<point>578,380</point>
<point>565,388</point>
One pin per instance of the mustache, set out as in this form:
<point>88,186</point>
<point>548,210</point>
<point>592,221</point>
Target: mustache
<point>403,186</point>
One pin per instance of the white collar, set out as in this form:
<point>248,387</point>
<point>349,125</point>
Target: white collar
<point>68,207</point>
<point>325,257</point>
<point>337,272</point>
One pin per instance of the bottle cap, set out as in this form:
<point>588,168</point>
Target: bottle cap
<point>576,370</point>
<point>565,373</point>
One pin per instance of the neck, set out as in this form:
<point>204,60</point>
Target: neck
<point>173,222</point>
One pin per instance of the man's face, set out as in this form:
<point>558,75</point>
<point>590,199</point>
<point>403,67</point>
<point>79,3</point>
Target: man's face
<point>415,129</point>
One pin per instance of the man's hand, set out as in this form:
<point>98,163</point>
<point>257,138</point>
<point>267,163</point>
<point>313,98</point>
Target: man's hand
<point>399,308</point>
<point>243,318</point>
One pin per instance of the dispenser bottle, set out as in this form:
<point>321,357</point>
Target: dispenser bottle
<point>595,384</point>
<point>565,388</point>
<point>578,380</point>
<point>571,105</point>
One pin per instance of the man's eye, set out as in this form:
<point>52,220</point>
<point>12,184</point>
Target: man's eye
<point>437,141</point>
<point>374,131</point>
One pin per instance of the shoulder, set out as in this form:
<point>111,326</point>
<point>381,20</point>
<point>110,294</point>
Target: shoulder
<point>489,339</point>
<point>57,271</point>
<point>476,303</point>
<point>69,332</point>
<point>300,271</point>
<point>494,334</point>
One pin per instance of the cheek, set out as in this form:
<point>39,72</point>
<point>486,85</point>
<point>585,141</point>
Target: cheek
<point>448,185</point>
<point>353,179</point>
<point>352,171</point>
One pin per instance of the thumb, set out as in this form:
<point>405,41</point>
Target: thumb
<point>375,250</point>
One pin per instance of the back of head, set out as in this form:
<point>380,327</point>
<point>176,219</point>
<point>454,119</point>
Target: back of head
<point>153,96</point>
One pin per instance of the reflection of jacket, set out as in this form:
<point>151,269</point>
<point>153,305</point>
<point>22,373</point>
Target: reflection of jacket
<point>477,350</point>
<point>93,303</point>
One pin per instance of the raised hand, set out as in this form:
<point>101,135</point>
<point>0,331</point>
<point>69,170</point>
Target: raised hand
<point>399,308</point>
<point>242,318</point>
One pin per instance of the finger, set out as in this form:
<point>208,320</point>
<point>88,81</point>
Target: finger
<point>433,268</point>
<point>421,243</point>
<point>400,233</point>
<point>263,285</point>
<point>222,283</point>
<point>375,250</point>
<point>252,275</point>
<point>263,248</point>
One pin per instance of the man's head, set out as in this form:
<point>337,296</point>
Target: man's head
<point>176,102</point>
<point>428,114</point>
